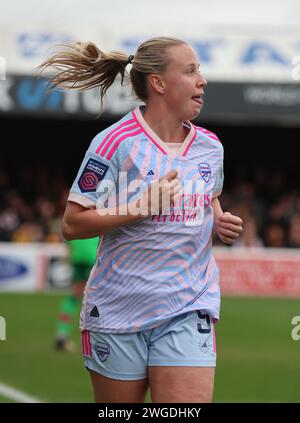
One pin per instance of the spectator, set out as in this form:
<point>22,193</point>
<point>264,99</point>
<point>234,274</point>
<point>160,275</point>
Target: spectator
<point>294,231</point>
<point>47,217</point>
<point>249,236</point>
<point>275,236</point>
<point>28,232</point>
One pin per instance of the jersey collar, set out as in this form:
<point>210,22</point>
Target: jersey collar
<point>138,116</point>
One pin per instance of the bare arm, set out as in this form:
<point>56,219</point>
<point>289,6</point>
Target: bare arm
<point>80,222</point>
<point>217,210</point>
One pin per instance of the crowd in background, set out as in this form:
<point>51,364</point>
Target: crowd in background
<point>31,210</point>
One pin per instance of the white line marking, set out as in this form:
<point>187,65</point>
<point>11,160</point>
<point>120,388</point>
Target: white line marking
<point>16,395</point>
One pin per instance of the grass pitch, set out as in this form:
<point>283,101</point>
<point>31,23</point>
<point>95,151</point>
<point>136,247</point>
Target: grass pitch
<point>257,359</point>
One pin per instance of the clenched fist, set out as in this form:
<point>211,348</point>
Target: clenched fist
<point>228,227</point>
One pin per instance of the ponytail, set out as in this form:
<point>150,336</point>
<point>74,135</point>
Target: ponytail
<point>85,66</point>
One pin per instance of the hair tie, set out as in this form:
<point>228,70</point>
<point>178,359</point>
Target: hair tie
<point>130,59</point>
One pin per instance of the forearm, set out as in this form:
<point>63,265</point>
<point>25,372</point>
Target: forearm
<point>80,222</point>
<point>91,223</point>
<point>217,210</point>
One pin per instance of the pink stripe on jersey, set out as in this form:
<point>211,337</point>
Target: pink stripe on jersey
<point>206,132</point>
<point>215,340</point>
<point>83,342</point>
<point>213,136</point>
<point>117,143</point>
<point>89,344</point>
<point>128,122</point>
<point>117,134</point>
<point>190,143</point>
<point>149,136</point>
<point>84,348</point>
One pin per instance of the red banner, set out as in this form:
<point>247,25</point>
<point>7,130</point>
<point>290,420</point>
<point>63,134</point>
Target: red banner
<point>259,272</point>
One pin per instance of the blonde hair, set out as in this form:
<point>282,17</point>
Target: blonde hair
<point>84,65</point>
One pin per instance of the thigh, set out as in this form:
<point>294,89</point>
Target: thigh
<point>181,384</point>
<point>107,390</point>
<point>186,340</point>
<point>182,359</point>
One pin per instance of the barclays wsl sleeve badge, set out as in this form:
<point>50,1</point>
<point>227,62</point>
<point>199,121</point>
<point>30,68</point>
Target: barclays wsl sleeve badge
<point>91,175</point>
<point>205,171</point>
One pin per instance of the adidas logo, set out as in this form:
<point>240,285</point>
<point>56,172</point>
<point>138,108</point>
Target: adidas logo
<point>204,347</point>
<point>150,173</point>
<point>94,312</point>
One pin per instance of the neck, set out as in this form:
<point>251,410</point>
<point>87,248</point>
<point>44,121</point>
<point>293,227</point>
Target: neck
<point>169,128</point>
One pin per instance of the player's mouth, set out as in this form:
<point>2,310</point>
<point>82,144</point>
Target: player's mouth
<point>198,98</point>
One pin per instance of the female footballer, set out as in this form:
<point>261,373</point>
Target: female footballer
<point>149,184</point>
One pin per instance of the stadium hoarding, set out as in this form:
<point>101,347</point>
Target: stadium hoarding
<point>35,268</point>
<point>259,272</point>
<point>240,102</point>
<point>234,41</point>
<point>223,57</point>
<point>253,272</point>
<point>17,272</point>
<point>251,60</point>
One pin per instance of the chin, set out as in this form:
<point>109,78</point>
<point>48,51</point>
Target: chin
<point>194,114</point>
<point>190,114</point>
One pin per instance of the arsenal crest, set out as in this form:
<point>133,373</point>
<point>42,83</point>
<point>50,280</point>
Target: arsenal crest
<point>102,350</point>
<point>205,171</point>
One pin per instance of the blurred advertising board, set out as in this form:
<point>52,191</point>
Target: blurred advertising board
<point>245,102</point>
<point>259,272</point>
<point>33,267</point>
<point>248,272</point>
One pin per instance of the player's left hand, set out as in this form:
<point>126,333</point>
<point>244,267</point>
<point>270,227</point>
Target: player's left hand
<point>228,227</point>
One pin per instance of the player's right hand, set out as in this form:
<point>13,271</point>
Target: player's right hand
<point>163,193</point>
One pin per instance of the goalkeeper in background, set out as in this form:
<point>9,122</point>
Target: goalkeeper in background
<point>83,253</point>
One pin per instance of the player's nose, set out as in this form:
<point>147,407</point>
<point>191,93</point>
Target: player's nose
<point>202,82</point>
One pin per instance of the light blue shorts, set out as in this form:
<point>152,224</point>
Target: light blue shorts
<point>185,340</point>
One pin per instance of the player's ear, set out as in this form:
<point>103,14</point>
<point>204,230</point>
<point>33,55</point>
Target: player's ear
<point>157,84</point>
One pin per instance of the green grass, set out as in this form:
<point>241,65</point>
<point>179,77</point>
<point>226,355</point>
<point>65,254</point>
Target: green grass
<point>28,360</point>
<point>257,359</point>
<point>5,400</point>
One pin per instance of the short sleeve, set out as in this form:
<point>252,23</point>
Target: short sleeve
<point>96,174</point>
